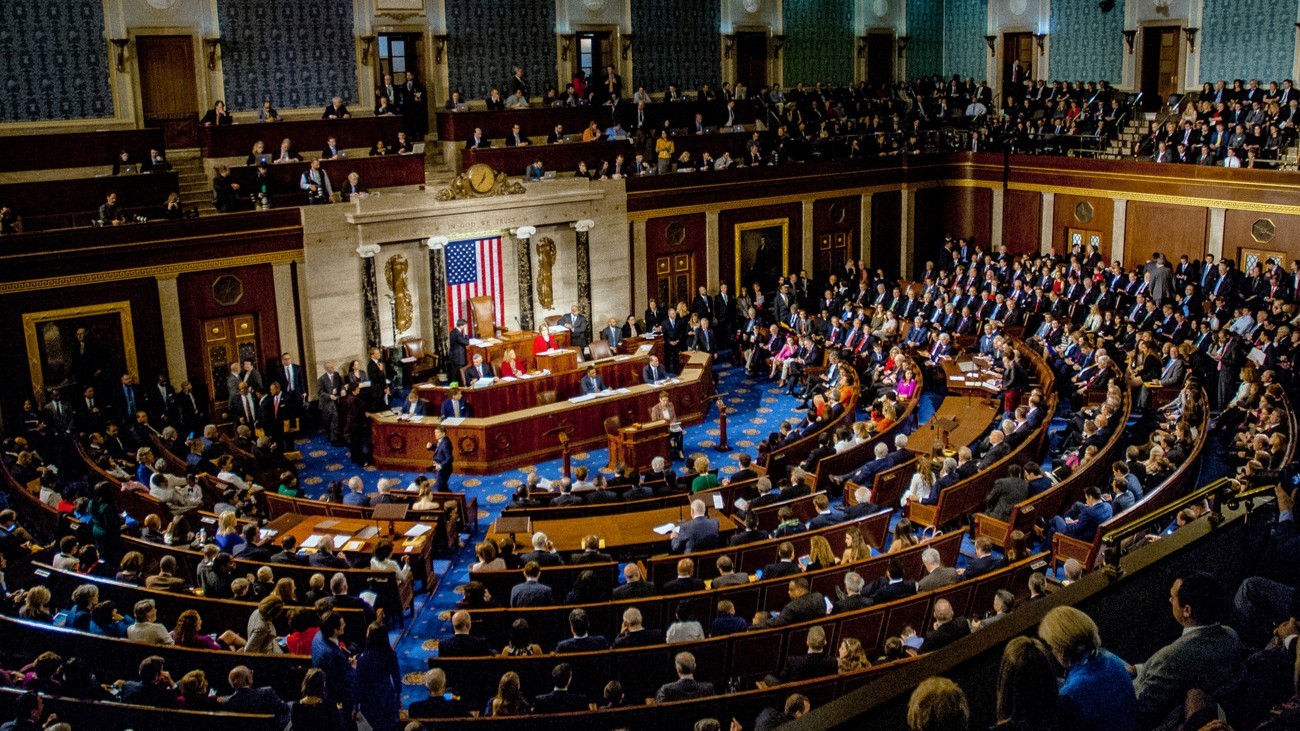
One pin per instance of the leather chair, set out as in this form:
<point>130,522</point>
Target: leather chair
<point>546,398</point>
<point>423,364</point>
<point>612,425</point>
<point>600,350</point>
<point>553,320</point>
<point>483,314</point>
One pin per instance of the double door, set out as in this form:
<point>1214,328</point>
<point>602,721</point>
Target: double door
<point>226,340</point>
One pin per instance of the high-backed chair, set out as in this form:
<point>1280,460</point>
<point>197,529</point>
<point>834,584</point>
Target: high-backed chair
<point>420,363</point>
<point>483,315</point>
<point>546,398</point>
<point>600,349</point>
<point>612,425</point>
<point>553,320</point>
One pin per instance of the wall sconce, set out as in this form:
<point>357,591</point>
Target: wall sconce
<point>778,42</point>
<point>1040,39</point>
<point>1191,38</point>
<point>439,45</point>
<point>213,44</point>
<point>566,42</point>
<point>902,45</point>
<point>366,43</point>
<point>993,45</point>
<point>120,44</point>
<point>627,44</point>
<point>728,45</point>
<point>1130,35</point>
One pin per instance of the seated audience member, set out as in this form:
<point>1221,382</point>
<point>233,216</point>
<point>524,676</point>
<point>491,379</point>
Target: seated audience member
<point>633,634</point>
<point>440,703</point>
<point>816,662</point>
<point>1098,689</point>
<point>686,687</point>
<point>726,621</point>
<point>532,593</point>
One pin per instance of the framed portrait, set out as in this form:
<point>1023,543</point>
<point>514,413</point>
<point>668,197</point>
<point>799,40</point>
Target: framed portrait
<point>762,250</point>
<point>88,345</point>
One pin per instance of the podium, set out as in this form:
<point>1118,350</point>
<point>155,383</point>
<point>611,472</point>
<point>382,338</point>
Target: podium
<point>636,445</point>
<point>558,360</point>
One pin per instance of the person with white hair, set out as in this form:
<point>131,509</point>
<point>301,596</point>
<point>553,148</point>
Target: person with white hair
<point>947,627</point>
<point>543,553</point>
<point>936,574</point>
<point>853,599</point>
<point>697,534</point>
<point>356,492</point>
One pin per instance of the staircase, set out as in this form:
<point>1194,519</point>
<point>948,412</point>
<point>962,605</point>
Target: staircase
<point>196,189</point>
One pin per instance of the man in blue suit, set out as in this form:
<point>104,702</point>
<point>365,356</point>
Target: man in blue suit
<point>1092,514</point>
<point>698,533</point>
<point>825,516</point>
<point>414,405</point>
<point>442,457</point>
<point>455,406</point>
<point>532,593</point>
<point>293,380</point>
<point>356,493</point>
<point>592,382</point>
<point>653,373</point>
<point>329,656</point>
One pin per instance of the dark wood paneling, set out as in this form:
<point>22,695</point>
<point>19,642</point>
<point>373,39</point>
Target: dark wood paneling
<point>387,171</point>
<point>693,242</point>
<point>849,212</point>
<point>146,321</point>
<point>1236,234</point>
<point>727,222</point>
<point>236,140</point>
<point>197,303</point>
<point>1170,230</point>
<point>963,212</point>
<point>49,204</point>
<point>1022,221</point>
<point>74,150</point>
<point>541,121</point>
<point>1063,219</point>
<point>886,231</point>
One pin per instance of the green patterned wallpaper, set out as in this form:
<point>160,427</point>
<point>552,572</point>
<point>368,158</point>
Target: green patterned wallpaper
<point>925,30</point>
<point>820,43</point>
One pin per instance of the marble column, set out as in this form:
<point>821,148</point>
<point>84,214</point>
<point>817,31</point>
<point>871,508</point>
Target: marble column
<point>524,271</point>
<point>370,294</point>
<point>1048,228</point>
<point>864,230</point>
<point>582,252</point>
<point>286,311</point>
<point>999,204</point>
<point>1214,241</point>
<point>807,260</point>
<point>169,304</point>
<point>1117,230</point>
<point>438,295</point>
<point>906,255</point>
<point>640,290</point>
<point>712,252</point>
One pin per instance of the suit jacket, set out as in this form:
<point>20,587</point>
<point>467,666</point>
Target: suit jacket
<point>1003,497</point>
<point>940,577</point>
<point>590,643</point>
<point>781,568</point>
<point>995,453</point>
<point>946,634</point>
<point>809,665</point>
<point>255,700</point>
<point>809,606</point>
<point>590,557</point>
<point>578,328</point>
<point>981,565</point>
<point>683,689</point>
<point>559,701</point>
<point>448,409</point>
<point>683,584</point>
<point>531,594</point>
<point>473,373</point>
<point>542,558</point>
<point>592,384</point>
<point>464,646</point>
<point>696,534</point>
<point>459,341</point>
<point>650,374</point>
<point>1208,658</point>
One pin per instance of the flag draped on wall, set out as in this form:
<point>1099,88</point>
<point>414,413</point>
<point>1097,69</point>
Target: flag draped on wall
<point>474,270</point>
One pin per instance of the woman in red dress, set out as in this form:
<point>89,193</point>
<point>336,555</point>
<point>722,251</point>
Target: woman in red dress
<point>511,367</point>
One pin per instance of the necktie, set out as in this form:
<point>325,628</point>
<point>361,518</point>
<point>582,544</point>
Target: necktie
<point>248,407</point>
<point>455,407</point>
<point>275,407</point>
<point>130,400</point>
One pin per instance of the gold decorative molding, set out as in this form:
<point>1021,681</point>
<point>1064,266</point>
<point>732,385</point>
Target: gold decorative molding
<point>480,181</point>
<point>160,271</point>
<point>1160,198</point>
<point>32,320</point>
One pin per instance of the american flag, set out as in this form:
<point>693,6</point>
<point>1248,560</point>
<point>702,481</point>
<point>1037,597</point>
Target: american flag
<point>474,270</point>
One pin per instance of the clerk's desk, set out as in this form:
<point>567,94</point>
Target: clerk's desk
<point>624,533</point>
<point>493,444</point>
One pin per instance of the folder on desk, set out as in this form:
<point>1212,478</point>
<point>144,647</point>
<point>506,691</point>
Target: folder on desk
<point>486,381</point>
<point>417,530</point>
<point>354,546</point>
<point>452,420</point>
<point>313,540</point>
<point>340,541</point>
<point>367,533</point>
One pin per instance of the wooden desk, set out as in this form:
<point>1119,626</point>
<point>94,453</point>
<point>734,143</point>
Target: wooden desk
<point>628,346</point>
<point>78,149</point>
<point>484,446</point>
<point>50,204</point>
<point>627,533</point>
<point>494,349</point>
<point>562,158</point>
<point>973,414</point>
<point>557,360</point>
<point>309,136</point>
<point>503,397</point>
<point>418,550</point>
<point>638,444</point>
<point>387,171</point>
<point>971,381</point>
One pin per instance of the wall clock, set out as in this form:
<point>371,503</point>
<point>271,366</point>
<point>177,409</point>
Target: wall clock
<point>1018,7</point>
<point>752,6</point>
<point>880,8</point>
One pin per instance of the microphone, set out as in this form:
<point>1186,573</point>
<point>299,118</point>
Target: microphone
<point>518,323</point>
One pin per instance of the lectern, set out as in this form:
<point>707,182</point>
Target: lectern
<point>638,444</point>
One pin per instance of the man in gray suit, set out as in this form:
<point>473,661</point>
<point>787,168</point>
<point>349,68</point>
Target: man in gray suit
<point>1162,278</point>
<point>936,574</point>
<point>1206,656</point>
<point>577,325</point>
<point>698,533</point>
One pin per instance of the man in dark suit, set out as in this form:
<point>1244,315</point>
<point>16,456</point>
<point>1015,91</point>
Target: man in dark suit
<point>456,355</point>
<point>274,408</point>
<point>477,369</point>
<point>329,392</point>
<point>577,325</point>
<point>462,643</point>
<point>288,553</point>
<point>377,373</point>
<point>592,382</point>
<point>686,687</point>
<point>804,604</point>
<point>634,586</point>
<point>477,141</point>
<point>331,149</point>
<point>1006,493</point>
<point>336,110</point>
<point>998,449</point>
<point>704,339</point>
<point>560,699</point>
<point>866,474</point>
<point>853,599</point>
<point>581,641</point>
<point>984,560</point>
<point>862,505</point>
<point>825,517</point>
<point>633,634</point>
<point>896,588</point>
<point>442,458</point>
<point>815,663</point>
<point>455,406</point>
<point>685,581</point>
<point>247,699</point>
<point>745,472</point>
<point>785,565</point>
<point>129,400</point>
<point>590,552</point>
<point>439,704</point>
<point>947,628</point>
<point>653,372</point>
<point>532,592</point>
<point>697,534</point>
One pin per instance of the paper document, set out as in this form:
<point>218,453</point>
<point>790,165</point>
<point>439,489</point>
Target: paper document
<point>367,533</point>
<point>582,398</point>
<point>452,420</point>
<point>508,379</point>
<point>353,546</point>
<point>967,366</point>
<point>327,524</point>
<point>417,530</point>
<point>558,329</point>
<point>717,501</point>
<point>313,540</point>
<point>340,541</point>
<point>666,528</point>
<point>483,382</point>
<point>1256,356</point>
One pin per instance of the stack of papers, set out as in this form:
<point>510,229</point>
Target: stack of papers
<point>340,541</point>
<point>452,420</point>
<point>417,530</point>
<point>666,528</point>
<point>313,540</point>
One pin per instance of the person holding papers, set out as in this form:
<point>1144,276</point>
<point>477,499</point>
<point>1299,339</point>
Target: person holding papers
<point>592,382</point>
<point>459,342</point>
<point>663,411</point>
<point>455,406</point>
<point>479,370</point>
<point>441,457</point>
<point>700,533</point>
<point>413,405</point>
<point>511,367</point>
<point>654,372</point>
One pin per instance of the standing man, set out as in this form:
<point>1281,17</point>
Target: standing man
<point>275,408</point>
<point>578,326</point>
<point>442,457</point>
<point>377,374</point>
<point>613,334</point>
<point>329,387</point>
<point>414,105</point>
<point>292,381</point>
<point>456,353</point>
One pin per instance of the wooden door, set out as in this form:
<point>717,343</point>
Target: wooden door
<point>592,53</point>
<point>674,279</point>
<point>1160,49</point>
<point>833,249</point>
<point>398,53</point>
<point>168,93</point>
<point>227,340</point>
<point>1017,47</point>
<point>880,59</point>
<point>751,60</point>
<point>1079,239</point>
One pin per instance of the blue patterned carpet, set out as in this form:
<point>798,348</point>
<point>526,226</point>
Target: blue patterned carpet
<point>761,405</point>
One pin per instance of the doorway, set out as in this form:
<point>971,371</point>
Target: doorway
<point>398,53</point>
<point>594,53</point>
<point>168,91</point>
<point>751,60</point>
<point>880,59</point>
<point>1078,239</point>
<point>1016,47</point>
<point>674,279</point>
<point>1160,50</point>
<point>833,250</point>
<point>227,340</point>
